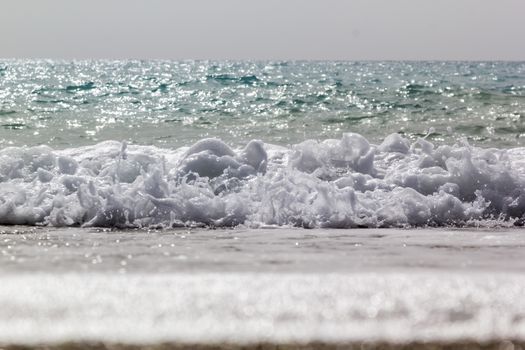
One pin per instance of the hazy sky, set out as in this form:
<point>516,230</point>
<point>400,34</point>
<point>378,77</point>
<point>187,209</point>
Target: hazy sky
<point>264,29</point>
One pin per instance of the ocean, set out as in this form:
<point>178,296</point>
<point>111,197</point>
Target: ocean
<point>244,203</point>
<point>312,144</point>
<point>64,104</point>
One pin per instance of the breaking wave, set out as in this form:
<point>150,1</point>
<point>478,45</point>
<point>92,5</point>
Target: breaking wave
<point>339,183</point>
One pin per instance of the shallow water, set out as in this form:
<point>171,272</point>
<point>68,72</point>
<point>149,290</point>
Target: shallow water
<point>315,251</point>
<point>279,286</point>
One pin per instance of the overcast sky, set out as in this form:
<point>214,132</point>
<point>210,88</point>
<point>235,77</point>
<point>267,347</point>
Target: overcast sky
<point>264,29</point>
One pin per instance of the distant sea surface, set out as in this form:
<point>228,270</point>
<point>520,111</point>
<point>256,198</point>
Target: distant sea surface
<point>171,104</point>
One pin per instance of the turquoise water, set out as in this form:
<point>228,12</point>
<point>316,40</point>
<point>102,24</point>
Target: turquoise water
<point>170,104</point>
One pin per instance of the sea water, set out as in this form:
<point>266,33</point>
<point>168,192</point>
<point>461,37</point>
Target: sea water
<point>167,104</point>
<point>168,201</point>
<point>277,286</point>
<point>311,144</point>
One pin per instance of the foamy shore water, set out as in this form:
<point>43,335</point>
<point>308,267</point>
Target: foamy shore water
<point>393,288</point>
<point>336,183</point>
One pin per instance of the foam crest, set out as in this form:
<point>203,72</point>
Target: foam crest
<point>334,183</point>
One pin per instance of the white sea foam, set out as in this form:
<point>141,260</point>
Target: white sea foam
<point>334,183</point>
